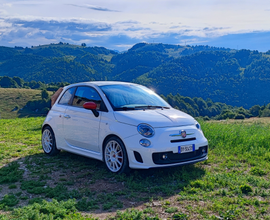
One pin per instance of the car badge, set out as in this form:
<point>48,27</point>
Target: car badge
<point>183,133</point>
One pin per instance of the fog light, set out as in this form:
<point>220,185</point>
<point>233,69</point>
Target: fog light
<point>145,142</point>
<point>204,150</point>
<point>164,156</point>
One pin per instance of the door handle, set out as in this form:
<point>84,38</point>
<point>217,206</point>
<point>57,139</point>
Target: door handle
<point>66,116</point>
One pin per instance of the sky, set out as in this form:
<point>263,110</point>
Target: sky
<point>119,24</point>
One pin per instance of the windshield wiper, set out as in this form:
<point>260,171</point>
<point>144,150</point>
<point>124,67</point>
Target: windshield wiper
<point>151,107</point>
<point>124,108</point>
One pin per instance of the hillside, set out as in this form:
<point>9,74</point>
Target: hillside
<point>56,63</point>
<point>238,78</point>
<point>13,102</point>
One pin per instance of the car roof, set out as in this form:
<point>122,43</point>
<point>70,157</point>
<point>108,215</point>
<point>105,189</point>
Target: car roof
<point>100,83</point>
<point>104,83</point>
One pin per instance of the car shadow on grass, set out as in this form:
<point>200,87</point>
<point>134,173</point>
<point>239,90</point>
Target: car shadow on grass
<point>67,176</point>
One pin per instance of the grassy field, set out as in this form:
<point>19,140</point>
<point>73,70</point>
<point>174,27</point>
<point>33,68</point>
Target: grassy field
<point>232,184</point>
<point>13,100</point>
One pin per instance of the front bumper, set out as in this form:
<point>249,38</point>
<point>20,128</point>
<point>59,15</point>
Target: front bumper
<point>164,146</point>
<point>162,158</point>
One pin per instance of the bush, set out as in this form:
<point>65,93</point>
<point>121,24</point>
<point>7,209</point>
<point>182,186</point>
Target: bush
<point>265,113</point>
<point>257,171</point>
<point>45,110</point>
<point>9,200</point>
<point>45,210</point>
<point>180,216</point>
<point>171,210</point>
<point>239,116</point>
<point>206,118</point>
<point>245,188</point>
<point>226,114</point>
<point>11,173</point>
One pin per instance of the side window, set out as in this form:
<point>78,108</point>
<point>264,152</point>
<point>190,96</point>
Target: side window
<point>67,96</point>
<point>86,94</point>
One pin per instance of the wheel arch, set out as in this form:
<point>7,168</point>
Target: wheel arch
<point>48,125</point>
<point>54,150</point>
<point>104,141</point>
<point>44,126</point>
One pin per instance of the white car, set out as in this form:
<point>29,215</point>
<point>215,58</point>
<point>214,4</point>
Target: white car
<point>123,124</point>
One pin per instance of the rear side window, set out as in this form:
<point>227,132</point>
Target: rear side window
<point>67,96</point>
<point>86,94</point>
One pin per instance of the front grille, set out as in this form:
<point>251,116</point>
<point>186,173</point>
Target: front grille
<point>177,158</point>
<point>183,140</point>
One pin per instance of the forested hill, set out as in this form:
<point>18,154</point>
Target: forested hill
<point>241,78</point>
<point>234,77</point>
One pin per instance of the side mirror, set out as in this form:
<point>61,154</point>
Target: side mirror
<point>91,106</point>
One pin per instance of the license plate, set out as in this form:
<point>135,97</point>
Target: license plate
<point>186,148</point>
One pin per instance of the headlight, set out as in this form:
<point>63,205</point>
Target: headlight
<point>145,142</point>
<point>146,130</point>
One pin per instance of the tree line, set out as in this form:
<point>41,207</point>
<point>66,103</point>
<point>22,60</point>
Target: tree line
<point>17,82</point>
<point>197,107</point>
<point>207,109</point>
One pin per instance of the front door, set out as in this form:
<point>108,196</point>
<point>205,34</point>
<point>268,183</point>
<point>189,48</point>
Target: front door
<point>81,126</point>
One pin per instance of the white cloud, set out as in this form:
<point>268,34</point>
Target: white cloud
<point>131,21</point>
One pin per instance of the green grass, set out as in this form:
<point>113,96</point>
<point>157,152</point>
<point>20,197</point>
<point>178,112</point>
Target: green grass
<point>232,184</point>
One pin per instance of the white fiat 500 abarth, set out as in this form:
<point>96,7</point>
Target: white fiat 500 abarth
<point>123,124</point>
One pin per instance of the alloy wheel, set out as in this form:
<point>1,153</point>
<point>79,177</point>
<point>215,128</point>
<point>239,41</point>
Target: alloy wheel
<point>114,156</point>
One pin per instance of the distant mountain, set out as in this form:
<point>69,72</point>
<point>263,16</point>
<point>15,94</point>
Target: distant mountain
<point>175,50</point>
<point>56,63</point>
<point>235,77</point>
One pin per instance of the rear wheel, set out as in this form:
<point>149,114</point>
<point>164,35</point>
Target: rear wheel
<point>48,142</point>
<point>115,156</point>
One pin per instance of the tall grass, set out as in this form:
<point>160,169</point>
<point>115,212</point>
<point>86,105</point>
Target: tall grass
<point>232,184</point>
<point>239,141</point>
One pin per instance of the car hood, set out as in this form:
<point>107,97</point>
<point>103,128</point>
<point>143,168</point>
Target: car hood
<point>156,118</point>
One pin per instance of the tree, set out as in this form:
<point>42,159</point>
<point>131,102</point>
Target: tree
<point>7,82</point>
<point>265,113</point>
<point>226,114</point>
<point>18,80</point>
<point>255,110</point>
<point>83,44</point>
<point>44,94</point>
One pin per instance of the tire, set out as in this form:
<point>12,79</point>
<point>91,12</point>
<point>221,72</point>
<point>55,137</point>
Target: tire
<point>115,156</point>
<point>48,142</point>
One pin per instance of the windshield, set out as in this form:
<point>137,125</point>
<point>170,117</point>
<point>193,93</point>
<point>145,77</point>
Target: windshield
<point>132,97</point>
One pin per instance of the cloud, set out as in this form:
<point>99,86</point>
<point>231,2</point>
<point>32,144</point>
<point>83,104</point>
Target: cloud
<point>24,32</point>
<point>174,27</point>
<point>92,7</point>
<point>136,29</point>
<point>257,40</point>
<point>128,22</point>
<point>121,35</point>
<point>54,25</point>
<point>214,28</point>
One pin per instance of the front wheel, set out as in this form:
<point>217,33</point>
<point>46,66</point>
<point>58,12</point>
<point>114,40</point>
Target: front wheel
<point>48,142</point>
<point>115,156</point>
